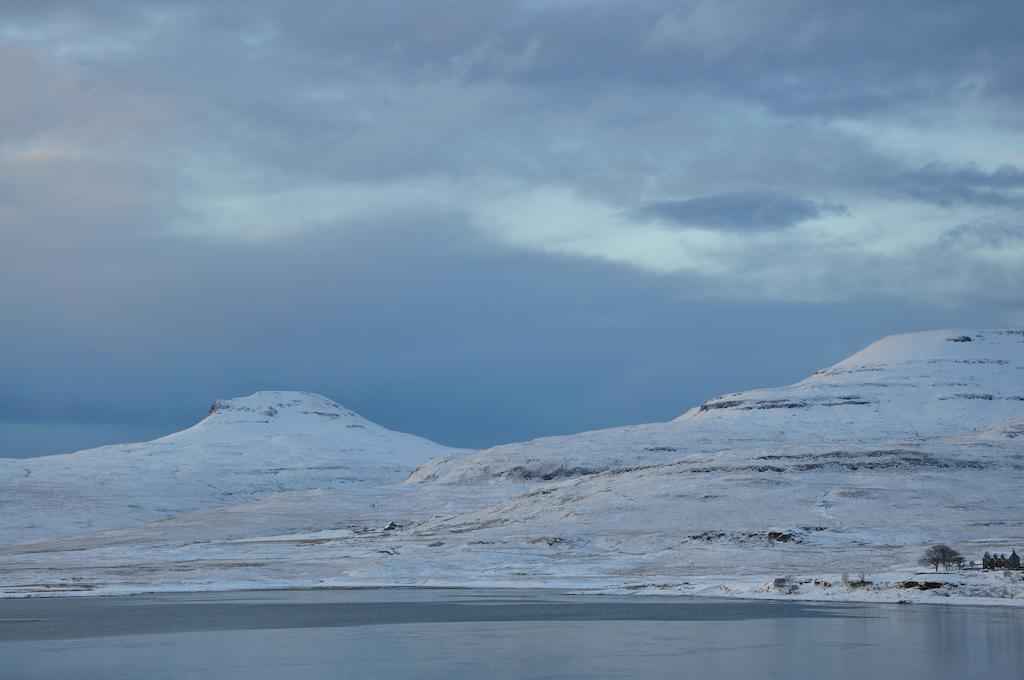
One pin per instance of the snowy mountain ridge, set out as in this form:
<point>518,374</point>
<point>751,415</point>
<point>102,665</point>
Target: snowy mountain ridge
<point>916,439</point>
<point>897,390</point>
<point>293,417</point>
<point>245,449</point>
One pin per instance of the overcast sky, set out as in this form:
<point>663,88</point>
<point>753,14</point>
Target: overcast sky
<point>488,221</point>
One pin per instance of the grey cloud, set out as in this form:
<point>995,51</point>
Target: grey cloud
<point>417,325</point>
<point>798,57</point>
<point>985,235</point>
<point>947,185</point>
<point>117,114</point>
<point>344,91</point>
<point>741,211</point>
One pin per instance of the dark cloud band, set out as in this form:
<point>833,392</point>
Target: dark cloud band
<point>742,211</point>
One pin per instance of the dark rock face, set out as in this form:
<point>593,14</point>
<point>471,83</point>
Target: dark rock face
<point>720,404</point>
<point>960,338</point>
<point>763,537</point>
<point>218,405</point>
<point>971,395</point>
<point>524,473</point>
<point>923,585</point>
<point>766,404</point>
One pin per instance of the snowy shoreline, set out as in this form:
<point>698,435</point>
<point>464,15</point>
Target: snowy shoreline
<point>961,589</point>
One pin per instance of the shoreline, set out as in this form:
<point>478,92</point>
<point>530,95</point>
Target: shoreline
<point>887,596</point>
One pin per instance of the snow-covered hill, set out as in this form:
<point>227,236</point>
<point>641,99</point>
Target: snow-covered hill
<point>900,389</point>
<point>246,448</point>
<point>916,439</point>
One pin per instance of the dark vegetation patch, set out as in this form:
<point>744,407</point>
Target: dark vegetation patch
<point>845,400</point>
<point>848,461</point>
<point>761,404</point>
<point>296,468</point>
<point>466,527</point>
<point>552,541</point>
<point>737,468</point>
<point>997,362</point>
<point>527,474</point>
<point>770,537</point>
<point>854,493</point>
<point>843,371</point>
<point>877,368</point>
<point>923,585</point>
<point>767,404</point>
<point>779,403</point>
<point>836,454</point>
<point>720,404</point>
<point>322,414</point>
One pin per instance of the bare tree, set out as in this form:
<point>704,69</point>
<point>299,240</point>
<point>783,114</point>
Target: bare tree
<point>940,555</point>
<point>953,558</point>
<point>932,557</point>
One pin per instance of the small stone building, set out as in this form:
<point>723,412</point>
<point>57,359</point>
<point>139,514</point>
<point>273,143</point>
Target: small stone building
<point>1001,561</point>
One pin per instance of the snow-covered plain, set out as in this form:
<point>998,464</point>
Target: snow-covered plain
<point>918,438</point>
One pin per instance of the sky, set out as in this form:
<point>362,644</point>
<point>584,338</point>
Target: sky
<point>484,222</point>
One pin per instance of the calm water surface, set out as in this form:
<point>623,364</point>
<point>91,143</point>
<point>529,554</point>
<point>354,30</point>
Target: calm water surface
<point>472,634</point>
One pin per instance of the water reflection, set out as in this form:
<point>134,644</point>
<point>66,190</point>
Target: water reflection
<point>474,634</point>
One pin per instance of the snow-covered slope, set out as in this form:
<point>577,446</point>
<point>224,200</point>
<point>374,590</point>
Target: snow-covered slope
<point>921,384</point>
<point>899,389</point>
<point>917,439</point>
<point>246,448</point>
